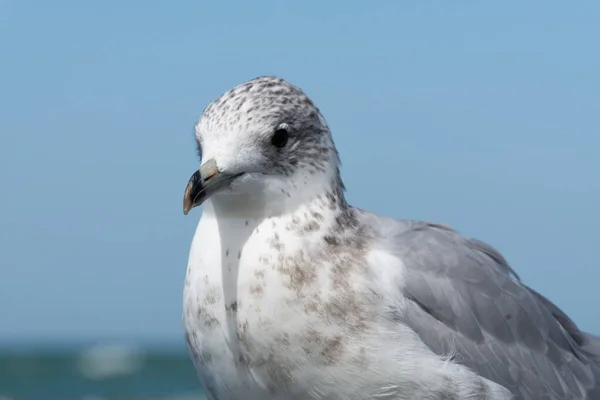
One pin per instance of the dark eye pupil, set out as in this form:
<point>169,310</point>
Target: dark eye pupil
<point>279,138</point>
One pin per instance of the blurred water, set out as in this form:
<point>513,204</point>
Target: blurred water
<point>96,373</point>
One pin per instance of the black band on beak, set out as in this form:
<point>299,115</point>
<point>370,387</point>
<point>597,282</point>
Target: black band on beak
<point>204,183</point>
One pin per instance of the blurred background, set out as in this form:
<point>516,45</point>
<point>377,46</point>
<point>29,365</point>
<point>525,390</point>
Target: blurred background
<point>482,115</point>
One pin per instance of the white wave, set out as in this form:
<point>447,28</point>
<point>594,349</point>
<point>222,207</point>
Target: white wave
<point>107,361</point>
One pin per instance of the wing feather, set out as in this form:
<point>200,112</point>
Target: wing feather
<point>466,301</point>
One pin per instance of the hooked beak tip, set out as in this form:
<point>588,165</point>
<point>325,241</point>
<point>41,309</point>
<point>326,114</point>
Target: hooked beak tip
<point>203,183</point>
<point>191,192</point>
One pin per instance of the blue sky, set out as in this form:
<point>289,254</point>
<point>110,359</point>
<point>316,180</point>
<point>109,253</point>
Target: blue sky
<point>479,115</point>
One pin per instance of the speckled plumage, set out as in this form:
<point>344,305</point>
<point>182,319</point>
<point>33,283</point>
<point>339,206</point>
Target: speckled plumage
<point>291,293</point>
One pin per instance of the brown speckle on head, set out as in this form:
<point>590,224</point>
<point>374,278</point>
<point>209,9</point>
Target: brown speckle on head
<point>258,108</point>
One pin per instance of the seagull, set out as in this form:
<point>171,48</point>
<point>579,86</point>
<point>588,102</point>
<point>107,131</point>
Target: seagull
<point>292,293</point>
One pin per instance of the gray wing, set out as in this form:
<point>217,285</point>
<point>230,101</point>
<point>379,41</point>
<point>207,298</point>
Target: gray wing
<point>465,301</point>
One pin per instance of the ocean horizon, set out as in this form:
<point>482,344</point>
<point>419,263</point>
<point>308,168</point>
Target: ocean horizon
<point>97,370</point>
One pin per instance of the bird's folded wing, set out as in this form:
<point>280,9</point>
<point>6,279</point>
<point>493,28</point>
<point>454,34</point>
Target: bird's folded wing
<point>465,301</point>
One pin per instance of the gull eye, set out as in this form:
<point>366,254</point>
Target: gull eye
<point>279,138</point>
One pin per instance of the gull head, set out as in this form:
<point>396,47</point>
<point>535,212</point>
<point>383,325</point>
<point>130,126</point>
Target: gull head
<point>263,145</point>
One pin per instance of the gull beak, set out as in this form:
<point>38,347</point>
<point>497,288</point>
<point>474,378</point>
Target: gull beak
<point>204,183</point>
